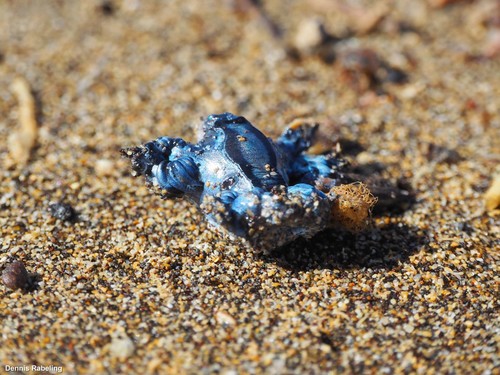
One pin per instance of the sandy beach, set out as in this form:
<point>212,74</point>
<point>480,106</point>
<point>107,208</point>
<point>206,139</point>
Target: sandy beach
<point>121,281</point>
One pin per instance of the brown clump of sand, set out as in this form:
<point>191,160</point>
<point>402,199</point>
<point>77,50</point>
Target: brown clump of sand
<point>353,206</point>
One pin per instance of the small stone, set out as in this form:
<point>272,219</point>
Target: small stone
<point>492,195</point>
<point>492,46</point>
<point>223,318</point>
<point>310,34</point>
<point>62,211</point>
<point>408,328</point>
<point>121,347</point>
<point>15,276</point>
<point>107,8</point>
<point>412,91</point>
<point>104,167</point>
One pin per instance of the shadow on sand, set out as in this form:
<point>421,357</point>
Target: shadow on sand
<point>382,247</point>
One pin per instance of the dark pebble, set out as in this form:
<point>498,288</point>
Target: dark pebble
<point>15,276</point>
<point>62,211</point>
<point>396,76</point>
<point>107,8</point>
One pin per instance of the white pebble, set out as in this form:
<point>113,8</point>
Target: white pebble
<point>121,347</point>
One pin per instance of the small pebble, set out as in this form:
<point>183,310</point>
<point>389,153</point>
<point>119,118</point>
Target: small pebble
<point>492,195</point>
<point>104,167</point>
<point>310,34</point>
<point>408,328</point>
<point>15,276</point>
<point>107,8</point>
<point>121,347</point>
<point>62,211</point>
<point>223,318</point>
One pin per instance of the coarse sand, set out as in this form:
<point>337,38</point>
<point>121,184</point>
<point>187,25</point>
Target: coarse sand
<point>129,283</point>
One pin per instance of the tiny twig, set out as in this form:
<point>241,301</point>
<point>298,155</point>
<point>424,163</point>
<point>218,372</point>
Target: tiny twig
<point>24,139</point>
